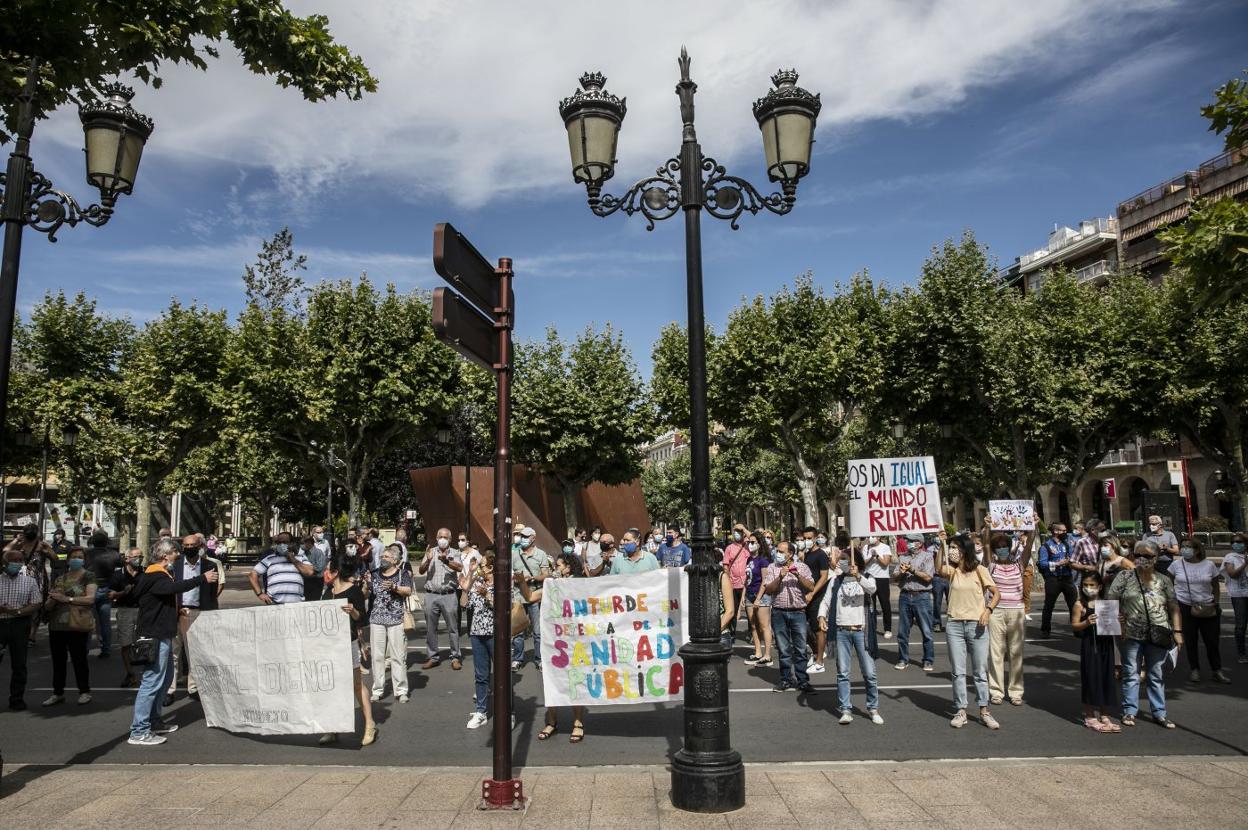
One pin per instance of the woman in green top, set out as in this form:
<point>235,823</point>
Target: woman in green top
<point>1150,626</point>
<point>71,619</point>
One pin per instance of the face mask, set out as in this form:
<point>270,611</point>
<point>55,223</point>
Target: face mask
<point>736,537</point>
<point>1144,562</point>
<point>526,543</point>
<point>568,548</point>
<point>657,538</point>
<point>821,542</point>
<point>1238,547</point>
<point>671,540</point>
<point>281,548</point>
<point>463,544</point>
<point>444,543</point>
<point>12,568</point>
<point>753,546</point>
<point>955,557</point>
<point>596,536</point>
<point>629,548</point>
<point>136,563</point>
<point>515,540</point>
<point>75,564</point>
<point>1107,552</point>
<point>1187,553</point>
<point>779,558</point>
<point>1090,591</point>
<point>351,550</point>
<point>1154,528</point>
<point>190,552</point>
<point>320,537</point>
<point>387,564</point>
<point>1002,554</point>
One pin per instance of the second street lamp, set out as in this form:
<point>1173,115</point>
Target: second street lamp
<point>707,773</point>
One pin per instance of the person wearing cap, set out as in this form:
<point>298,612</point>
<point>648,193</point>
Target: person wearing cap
<point>533,565</point>
<point>441,570</point>
<point>914,580</point>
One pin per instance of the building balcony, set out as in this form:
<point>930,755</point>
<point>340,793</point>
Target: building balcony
<point>1095,271</point>
<point>1126,455</point>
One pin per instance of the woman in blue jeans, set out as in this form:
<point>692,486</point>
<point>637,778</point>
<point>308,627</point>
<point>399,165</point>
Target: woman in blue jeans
<point>158,618</point>
<point>851,594</point>
<point>1151,621</point>
<point>480,596</point>
<point>972,597</point>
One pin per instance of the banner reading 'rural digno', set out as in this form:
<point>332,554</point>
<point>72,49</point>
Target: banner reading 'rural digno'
<point>894,496</point>
<point>613,640</point>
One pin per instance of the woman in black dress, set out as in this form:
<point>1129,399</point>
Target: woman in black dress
<point>1096,659</point>
<point>346,588</point>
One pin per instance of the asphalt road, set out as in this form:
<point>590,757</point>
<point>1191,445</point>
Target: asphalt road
<point>766,727</point>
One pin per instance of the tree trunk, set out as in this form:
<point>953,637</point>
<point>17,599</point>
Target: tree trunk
<point>143,522</point>
<point>266,526</point>
<point>355,501</point>
<point>1236,446</point>
<point>807,480</point>
<point>569,509</point>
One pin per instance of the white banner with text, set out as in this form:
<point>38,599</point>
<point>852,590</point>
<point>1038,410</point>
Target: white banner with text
<point>893,496</point>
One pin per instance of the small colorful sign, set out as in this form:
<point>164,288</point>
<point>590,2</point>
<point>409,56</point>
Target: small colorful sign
<point>1010,515</point>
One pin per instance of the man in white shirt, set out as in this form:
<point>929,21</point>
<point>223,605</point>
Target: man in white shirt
<point>879,556</point>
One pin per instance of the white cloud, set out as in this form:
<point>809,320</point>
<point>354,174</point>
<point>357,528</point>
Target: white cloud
<point>467,105</point>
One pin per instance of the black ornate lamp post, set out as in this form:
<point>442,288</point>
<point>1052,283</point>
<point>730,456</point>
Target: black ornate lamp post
<point>707,773</point>
<point>114,135</point>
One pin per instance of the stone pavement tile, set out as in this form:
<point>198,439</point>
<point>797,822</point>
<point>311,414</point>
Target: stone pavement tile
<point>1232,764</point>
<point>877,807</point>
<point>757,782</point>
<point>850,820</point>
<point>849,780</point>
<point>647,822</point>
<point>312,796</point>
<point>383,785</point>
<point>1202,772</point>
<point>938,792</point>
<point>633,783</point>
<point>287,818</point>
<point>980,817</point>
<point>444,791</point>
<point>474,819</point>
<point>624,808</point>
<point>680,820</point>
<point>341,776</point>
<point>766,809</point>
<point>543,815</point>
<point>906,772</point>
<point>232,816</point>
<point>423,820</point>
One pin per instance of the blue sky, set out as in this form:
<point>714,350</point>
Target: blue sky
<point>938,116</point>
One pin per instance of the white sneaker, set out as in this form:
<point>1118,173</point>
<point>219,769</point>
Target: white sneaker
<point>54,700</point>
<point>876,719</point>
<point>477,720</point>
<point>146,740</point>
<point>167,729</point>
<point>888,635</point>
<point>403,698</point>
<point>847,718</point>
<point>1028,617</point>
<point>374,698</point>
<point>84,698</point>
<point>815,668</point>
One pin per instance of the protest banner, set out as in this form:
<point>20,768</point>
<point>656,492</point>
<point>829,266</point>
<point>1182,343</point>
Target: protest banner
<point>892,496</point>
<point>1107,624</point>
<point>613,640</point>
<point>1012,514</point>
<point>275,669</point>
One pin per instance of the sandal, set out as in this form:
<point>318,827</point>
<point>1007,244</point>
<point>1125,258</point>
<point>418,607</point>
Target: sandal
<point>1094,724</point>
<point>1108,725</point>
<point>578,733</point>
<point>1165,723</point>
<point>547,732</point>
<point>1128,720</point>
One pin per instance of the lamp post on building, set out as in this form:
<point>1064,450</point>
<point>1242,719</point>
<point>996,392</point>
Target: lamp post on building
<point>114,135</point>
<point>707,773</point>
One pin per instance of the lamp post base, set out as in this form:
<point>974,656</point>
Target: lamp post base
<point>714,784</point>
<point>501,795</point>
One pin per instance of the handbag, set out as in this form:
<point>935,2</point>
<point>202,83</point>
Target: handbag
<point>416,603</point>
<point>81,618</point>
<point>1201,610</point>
<point>409,621</point>
<point>519,619</point>
<point>1157,635</point>
<point>143,651</point>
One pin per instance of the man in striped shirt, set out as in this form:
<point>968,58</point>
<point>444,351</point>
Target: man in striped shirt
<point>20,598</point>
<point>278,577</point>
<point>1086,553</point>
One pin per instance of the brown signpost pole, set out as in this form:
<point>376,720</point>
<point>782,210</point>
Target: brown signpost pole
<point>478,323</point>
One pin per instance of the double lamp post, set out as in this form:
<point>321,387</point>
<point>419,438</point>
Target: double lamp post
<point>707,773</point>
<point>115,134</point>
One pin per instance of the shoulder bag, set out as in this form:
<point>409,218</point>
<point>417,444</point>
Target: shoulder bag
<point>1201,610</point>
<point>81,617</point>
<point>1156,635</point>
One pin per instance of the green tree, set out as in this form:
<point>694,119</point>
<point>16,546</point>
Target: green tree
<point>581,412</point>
<point>1228,114</point>
<point>1211,248</point>
<point>666,488</point>
<point>82,44</point>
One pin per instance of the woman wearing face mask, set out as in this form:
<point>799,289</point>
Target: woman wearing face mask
<point>1096,659</point>
<point>71,619</point>
<point>1006,629</point>
<point>1233,571</point>
<point>972,597</point>
<point>481,633</point>
<point>1196,589</point>
<point>346,589</point>
<point>568,566</point>
<point>758,601</point>
<point>390,590</point>
<point>122,592</point>
<point>844,610</point>
<point>1150,626</point>
<point>1112,561</point>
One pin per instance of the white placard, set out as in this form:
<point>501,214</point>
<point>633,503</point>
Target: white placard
<point>894,496</point>
<point>1012,514</point>
<point>613,640</point>
<point>1107,624</point>
<point>275,669</point>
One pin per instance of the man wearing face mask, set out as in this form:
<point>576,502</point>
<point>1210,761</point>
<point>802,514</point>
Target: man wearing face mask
<point>736,558</point>
<point>607,552</point>
<point>278,577</point>
<point>788,582</point>
<point>193,562</point>
<point>815,542</point>
<point>531,564</point>
<point>321,542</point>
<point>122,594</point>
<point>1164,539</point>
<point>633,559</point>
<point>1235,572</point>
<point>674,553</point>
<point>40,565</point>
<point>103,562</point>
<point>1054,562</point>
<point>914,581</point>
<point>441,568</point>
<point>20,598</point>
<point>879,556</point>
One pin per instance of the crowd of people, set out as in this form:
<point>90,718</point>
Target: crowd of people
<point>799,600</point>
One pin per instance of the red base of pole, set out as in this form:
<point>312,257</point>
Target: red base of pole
<point>502,795</point>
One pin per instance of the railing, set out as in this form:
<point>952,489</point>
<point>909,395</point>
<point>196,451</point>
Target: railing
<point>1228,159</point>
<point>1087,229</point>
<point>1158,192</point>
<point>1126,455</point>
<point>1093,271</point>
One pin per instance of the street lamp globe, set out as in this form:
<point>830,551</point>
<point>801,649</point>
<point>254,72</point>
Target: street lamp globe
<point>115,134</point>
<point>69,436</point>
<point>592,117</point>
<point>786,116</point>
<point>899,430</point>
<point>444,435</point>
